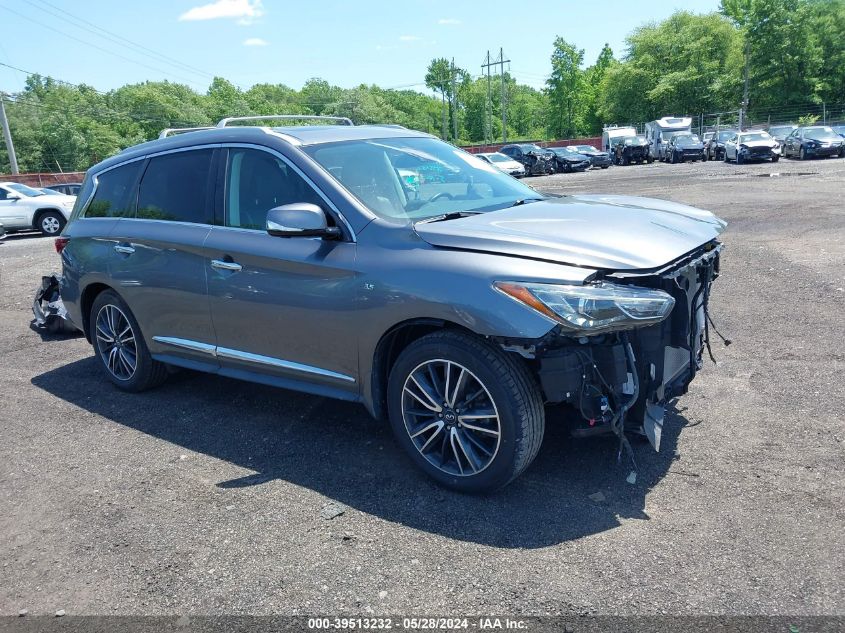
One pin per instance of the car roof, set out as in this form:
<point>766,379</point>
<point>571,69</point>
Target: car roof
<point>294,135</point>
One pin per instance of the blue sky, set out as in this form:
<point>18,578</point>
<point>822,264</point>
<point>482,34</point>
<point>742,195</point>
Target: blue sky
<point>388,43</point>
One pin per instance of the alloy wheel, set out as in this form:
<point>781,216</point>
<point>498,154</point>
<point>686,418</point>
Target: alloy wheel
<point>116,342</point>
<point>50,224</point>
<point>450,417</point>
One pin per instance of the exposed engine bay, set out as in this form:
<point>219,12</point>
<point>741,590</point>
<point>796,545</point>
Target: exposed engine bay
<point>621,381</point>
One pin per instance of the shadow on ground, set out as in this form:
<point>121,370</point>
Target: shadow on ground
<point>337,450</point>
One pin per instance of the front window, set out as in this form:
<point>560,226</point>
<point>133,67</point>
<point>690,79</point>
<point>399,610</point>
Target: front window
<point>725,136</point>
<point>29,192</point>
<point>257,181</point>
<point>445,179</point>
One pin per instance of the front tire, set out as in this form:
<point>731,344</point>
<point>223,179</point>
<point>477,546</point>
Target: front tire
<point>467,413</point>
<point>801,154</point>
<point>119,345</point>
<point>51,223</point>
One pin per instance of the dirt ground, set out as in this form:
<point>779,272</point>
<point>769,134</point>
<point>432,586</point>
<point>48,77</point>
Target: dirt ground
<point>208,495</point>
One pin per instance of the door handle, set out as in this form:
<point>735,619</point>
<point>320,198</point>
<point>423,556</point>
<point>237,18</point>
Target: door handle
<point>124,249</point>
<point>220,264</point>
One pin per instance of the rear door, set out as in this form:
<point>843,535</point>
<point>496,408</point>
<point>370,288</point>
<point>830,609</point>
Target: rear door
<point>280,306</point>
<point>158,259</point>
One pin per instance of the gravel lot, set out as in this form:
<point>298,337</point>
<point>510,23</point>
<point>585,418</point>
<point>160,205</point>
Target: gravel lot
<point>208,495</point>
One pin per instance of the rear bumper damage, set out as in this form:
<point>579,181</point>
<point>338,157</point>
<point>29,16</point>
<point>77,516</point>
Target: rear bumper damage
<point>622,381</point>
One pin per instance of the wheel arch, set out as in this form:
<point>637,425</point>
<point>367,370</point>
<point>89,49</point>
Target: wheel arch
<point>36,216</point>
<point>387,350</point>
<point>86,301</point>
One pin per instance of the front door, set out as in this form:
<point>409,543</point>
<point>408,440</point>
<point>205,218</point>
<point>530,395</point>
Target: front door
<point>280,306</point>
<point>13,212</point>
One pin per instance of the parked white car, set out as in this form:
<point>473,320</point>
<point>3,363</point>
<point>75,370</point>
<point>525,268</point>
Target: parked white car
<point>504,163</point>
<point>758,145</point>
<point>23,208</point>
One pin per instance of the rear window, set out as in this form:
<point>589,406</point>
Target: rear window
<point>175,187</point>
<point>114,197</point>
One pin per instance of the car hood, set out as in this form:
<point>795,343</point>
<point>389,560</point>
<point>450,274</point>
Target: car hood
<point>573,159</point>
<point>595,231</point>
<point>833,141</point>
<point>59,200</point>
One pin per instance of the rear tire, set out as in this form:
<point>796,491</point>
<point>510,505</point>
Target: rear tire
<point>50,223</point>
<point>472,454</point>
<point>775,159</point>
<point>119,345</point>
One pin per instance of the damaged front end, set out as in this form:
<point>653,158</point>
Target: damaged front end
<point>641,341</point>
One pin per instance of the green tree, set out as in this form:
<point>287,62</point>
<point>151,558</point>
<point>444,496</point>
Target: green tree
<point>438,77</point>
<point>565,89</point>
<point>686,64</point>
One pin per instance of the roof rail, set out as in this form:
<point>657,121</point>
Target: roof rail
<point>341,119</point>
<point>178,130</point>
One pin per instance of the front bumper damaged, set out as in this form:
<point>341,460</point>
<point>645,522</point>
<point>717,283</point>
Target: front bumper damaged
<point>623,381</point>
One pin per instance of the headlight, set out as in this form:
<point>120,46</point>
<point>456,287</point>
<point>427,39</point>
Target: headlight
<point>591,310</point>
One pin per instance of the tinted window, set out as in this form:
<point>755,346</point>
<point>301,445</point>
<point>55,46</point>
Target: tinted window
<point>2,194</point>
<point>175,186</point>
<point>257,181</point>
<point>115,195</point>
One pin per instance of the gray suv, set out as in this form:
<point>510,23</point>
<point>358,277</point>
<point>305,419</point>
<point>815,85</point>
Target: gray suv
<point>380,265</point>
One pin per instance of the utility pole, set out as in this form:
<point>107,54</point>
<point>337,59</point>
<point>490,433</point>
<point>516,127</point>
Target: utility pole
<point>454,105</point>
<point>488,106</point>
<point>743,110</point>
<point>502,62</point>
<point>7,135</point>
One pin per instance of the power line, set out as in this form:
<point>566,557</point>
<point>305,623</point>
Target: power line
<point>99,48</point>
<point>119,39</point>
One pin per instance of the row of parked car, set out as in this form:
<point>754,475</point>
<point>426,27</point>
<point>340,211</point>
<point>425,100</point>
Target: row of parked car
<point>816,141</point>
<point>529,159</point>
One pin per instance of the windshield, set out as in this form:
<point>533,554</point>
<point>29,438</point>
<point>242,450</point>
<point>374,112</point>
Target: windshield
<point>755,136</point>
<point>586,149</point>
<point>533,148</point>
<point>566,151</point>
<point>724,136</point>
<point>500,158</point>
<point>418,178</point>
<point>686,139</point>
<point>24,190</point>
<point>783,130</point>
<point>820,133</point>
<point>839,129</point>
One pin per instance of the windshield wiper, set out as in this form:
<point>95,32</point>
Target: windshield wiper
<point>522,201</point>
<point>452,215</point>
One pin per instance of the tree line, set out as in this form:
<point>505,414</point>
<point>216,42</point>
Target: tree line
<point>791,52</point>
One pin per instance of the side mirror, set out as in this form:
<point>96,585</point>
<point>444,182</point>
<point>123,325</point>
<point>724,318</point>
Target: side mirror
<point>300,219</point>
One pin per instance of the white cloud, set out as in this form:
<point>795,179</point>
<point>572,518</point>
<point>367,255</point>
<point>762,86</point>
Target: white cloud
<point>245,11</point>
<point>450,21</point>
<point>409,38</point>
<point>255,41</point>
